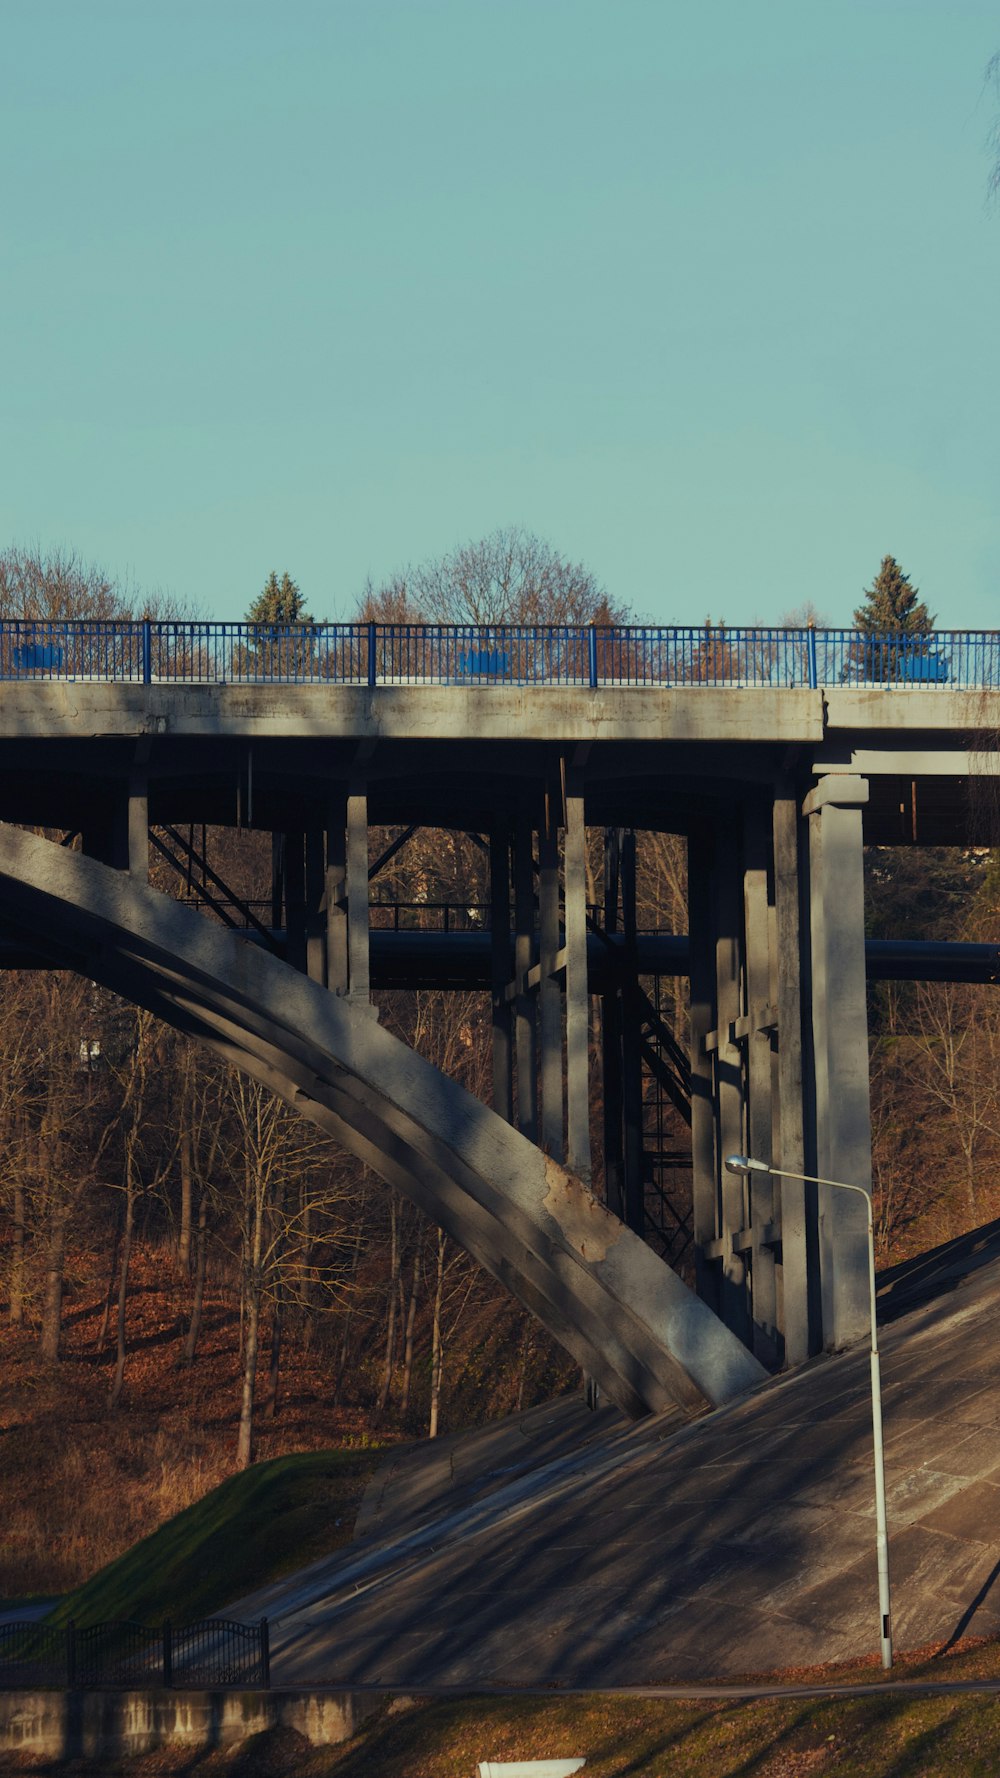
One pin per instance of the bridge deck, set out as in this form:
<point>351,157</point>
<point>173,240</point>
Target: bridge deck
<point>53,708</point>
<point>455,755</point>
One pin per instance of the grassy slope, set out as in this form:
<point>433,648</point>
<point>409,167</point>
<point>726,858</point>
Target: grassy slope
<point>273,1518</point>
<point>889,1737</point>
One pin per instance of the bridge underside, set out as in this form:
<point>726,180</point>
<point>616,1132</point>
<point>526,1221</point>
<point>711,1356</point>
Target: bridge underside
<point>776,796</point>
<point>628,1320</point>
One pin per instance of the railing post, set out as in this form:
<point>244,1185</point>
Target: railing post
<point>71,1653</point>
<point>147,651</point>
<point>592,655</point>
<point>371,656</point>
<point>811,658</point>
<point>168,1653</point>
<point>265,1654</point>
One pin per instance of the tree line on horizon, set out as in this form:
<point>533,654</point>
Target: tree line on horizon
<point>509,576</point>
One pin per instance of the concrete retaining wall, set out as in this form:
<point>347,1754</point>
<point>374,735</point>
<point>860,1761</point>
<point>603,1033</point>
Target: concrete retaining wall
<point>98,1725</point>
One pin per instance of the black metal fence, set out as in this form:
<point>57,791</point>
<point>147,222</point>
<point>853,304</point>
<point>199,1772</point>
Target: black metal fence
<point>214,1653</point>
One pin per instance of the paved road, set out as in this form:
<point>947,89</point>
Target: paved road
<point>664,1554</point>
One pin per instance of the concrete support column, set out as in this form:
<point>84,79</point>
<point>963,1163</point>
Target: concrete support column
<point>337,966</point>
<point>295,898</point>
<point>525,1039</point>
<point>730,1133</point>
<point>315,891</point>
<point>759,1019</point>
<point>801,1327</point>
<point>611,1040</point>
<point>502,1021</point>
<point>635,1188</point>
<point>702,1023</point>
<point>840,1048</point>
<point>577,992</point>
<point>357,895</point>
<point>138,823</point>
<point>549,990</point>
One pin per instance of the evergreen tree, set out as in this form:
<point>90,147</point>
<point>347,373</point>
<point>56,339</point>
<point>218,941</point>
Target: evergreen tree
<point>891,605</point>
<point>280,604</point>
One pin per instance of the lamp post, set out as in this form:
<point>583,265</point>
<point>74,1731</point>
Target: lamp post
<point>741,1163</point>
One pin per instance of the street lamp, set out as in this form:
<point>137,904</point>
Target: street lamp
<point>742,1163</point>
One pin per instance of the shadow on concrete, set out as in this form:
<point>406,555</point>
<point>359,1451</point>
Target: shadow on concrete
<point>936,1272</point>
<point>739,1544</point>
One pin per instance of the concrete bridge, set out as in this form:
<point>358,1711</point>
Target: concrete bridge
<point>777,784</point>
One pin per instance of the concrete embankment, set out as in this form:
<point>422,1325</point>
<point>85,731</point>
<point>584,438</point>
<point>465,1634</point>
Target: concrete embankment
<point>656,1553</point>
<point>119,1724</point>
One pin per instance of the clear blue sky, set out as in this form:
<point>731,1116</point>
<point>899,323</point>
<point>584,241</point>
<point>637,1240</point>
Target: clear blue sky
<point>706,295</point>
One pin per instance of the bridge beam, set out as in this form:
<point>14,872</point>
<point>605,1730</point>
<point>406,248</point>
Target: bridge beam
<point>358,951</point>
<point>338,975</point>
<point>525,1019</point>
<point>760,966</point>
<point>841,1137</point>
<point>779,1063</point>
<point>138,822</point>
<point>801,1323</point>
<point>577,991</point>
<point>501,1016</point>
<point>549,987</point>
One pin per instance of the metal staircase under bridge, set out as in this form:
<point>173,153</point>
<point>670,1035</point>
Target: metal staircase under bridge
<point>646,1069</point>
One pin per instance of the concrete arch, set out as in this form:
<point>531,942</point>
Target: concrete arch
<point>622,1314</point>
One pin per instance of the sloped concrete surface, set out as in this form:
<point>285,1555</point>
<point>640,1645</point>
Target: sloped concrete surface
<point>738,1543</point>
<point>420,1482</point>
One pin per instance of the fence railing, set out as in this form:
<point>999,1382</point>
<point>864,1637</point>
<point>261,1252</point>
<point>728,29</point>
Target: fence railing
<point>216,1652</point>
<point>594,655</point>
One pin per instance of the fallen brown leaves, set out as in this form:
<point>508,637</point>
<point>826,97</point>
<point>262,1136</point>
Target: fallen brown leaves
<point>80,1484</point>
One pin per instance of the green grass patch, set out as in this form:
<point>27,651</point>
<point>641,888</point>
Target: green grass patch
<point>909,1736</point>
<point>880,1737</point>
<point>253,1528</point>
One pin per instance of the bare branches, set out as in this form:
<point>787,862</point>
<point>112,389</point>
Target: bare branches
<point>509,577</point>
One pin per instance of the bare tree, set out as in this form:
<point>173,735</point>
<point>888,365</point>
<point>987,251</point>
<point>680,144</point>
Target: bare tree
<point>63,1102</point>
<point>199,1134</point>
<point>959,1056</point>
<point>509,577</point>
<point>60,587</point>
<point>454,1280</point>
<point>134,1079</point>
<point>278,1163</point>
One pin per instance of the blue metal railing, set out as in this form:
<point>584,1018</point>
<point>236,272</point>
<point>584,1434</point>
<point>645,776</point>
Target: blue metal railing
<point>594,655</point>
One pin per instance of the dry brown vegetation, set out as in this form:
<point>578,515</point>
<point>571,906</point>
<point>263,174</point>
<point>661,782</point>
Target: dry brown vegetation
<point>81,1483</point>
<point>935,1054</point>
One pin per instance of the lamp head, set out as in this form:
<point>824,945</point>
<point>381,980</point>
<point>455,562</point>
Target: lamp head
<point>742,1163</point>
